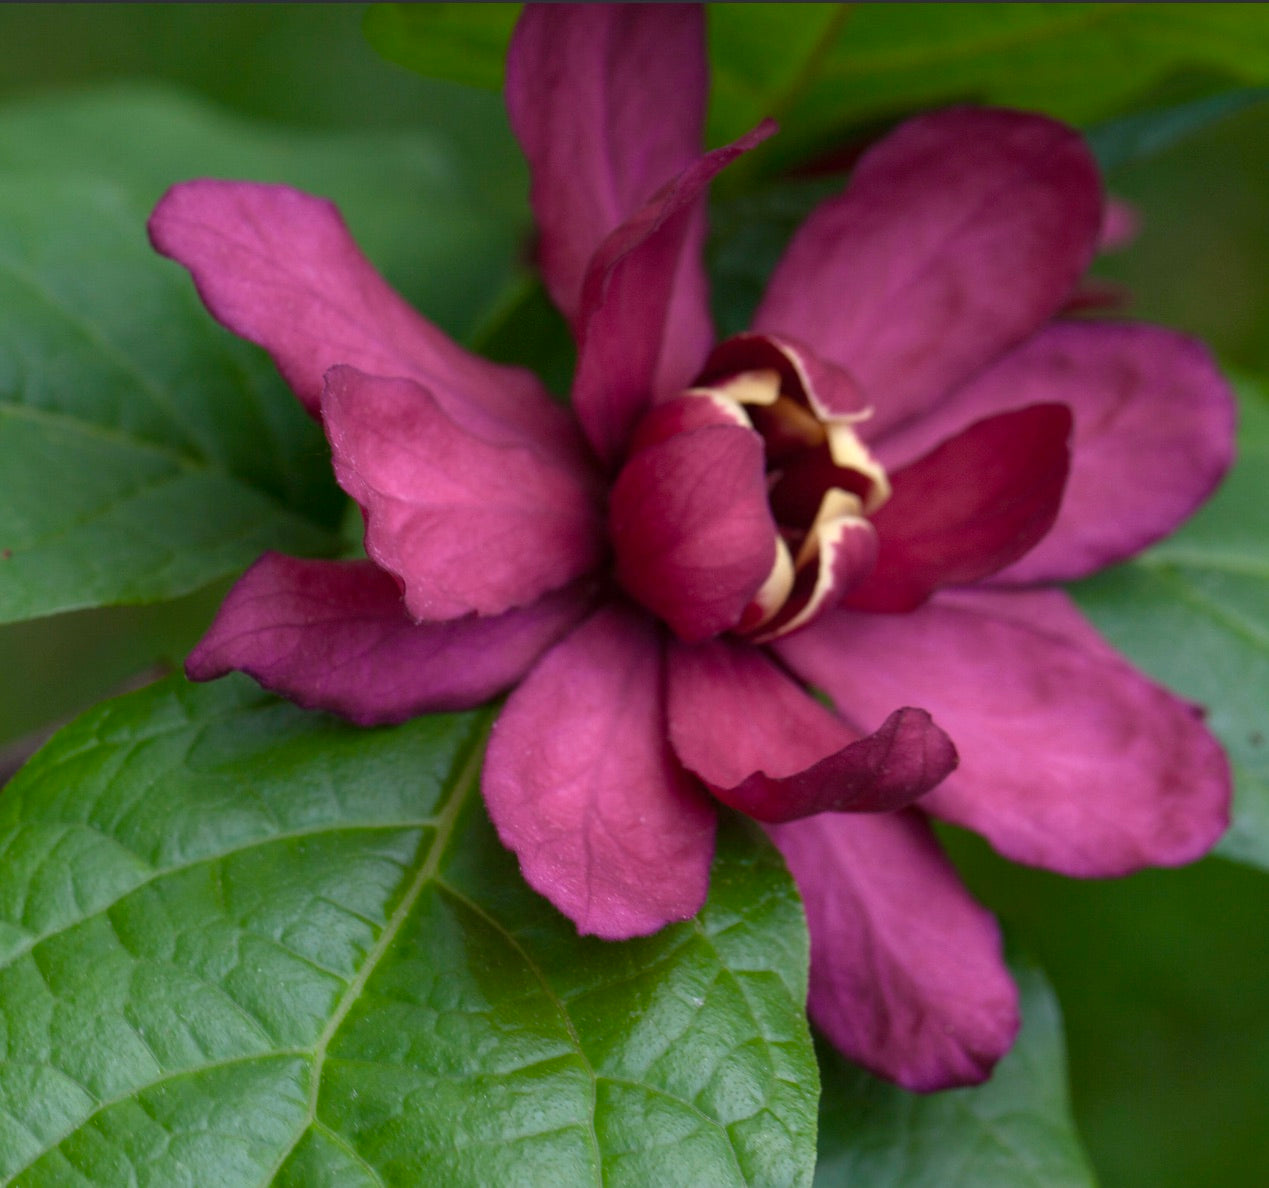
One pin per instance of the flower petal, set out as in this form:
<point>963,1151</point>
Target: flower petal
<point>629,305</point>
<point>581,784</point>
<point>969,507</point>
<point>959,234</point>
<point>1070,758</point>
<point>906,973</point>
<point>608,103</point>
<point>793,758</point>
<point>334,635</point>
<point>692,530</point>
<point>1154,433</point>
<point>279,268</point>
<point>466,524</point>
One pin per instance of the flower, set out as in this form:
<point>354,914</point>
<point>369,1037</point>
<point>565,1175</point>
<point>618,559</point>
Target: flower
<point>871,494</point>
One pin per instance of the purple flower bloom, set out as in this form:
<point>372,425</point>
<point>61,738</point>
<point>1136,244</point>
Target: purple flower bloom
<point>867,494</point>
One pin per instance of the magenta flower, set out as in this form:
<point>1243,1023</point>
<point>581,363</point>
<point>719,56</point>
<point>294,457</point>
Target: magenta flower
<point>867,494</point>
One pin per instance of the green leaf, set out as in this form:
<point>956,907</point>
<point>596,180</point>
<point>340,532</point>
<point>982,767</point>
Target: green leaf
<point>1015,1131</point>
<point>1193,612</point>
<point>1135,137</point>
<point>144,454</point>
<point>145,451</point>
<point>243,944</point>
<point>1080,62</point>
<point>440,209</point>
<point>464,43</point>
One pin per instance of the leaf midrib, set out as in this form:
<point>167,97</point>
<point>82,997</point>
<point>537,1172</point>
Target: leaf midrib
<point>444,824</point>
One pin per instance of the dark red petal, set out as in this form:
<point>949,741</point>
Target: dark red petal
<point>279,268</point>
<point>692,530</point>
<point>968,508</point>
<point>629,305</point>
<point>1069,758</point>
<point>793,758</point>
<point>335,635</point>
<point>959,234</point>
<point>906,973</point>
<point>582,786</point>
<point>608,103</point>
<point>1154,434</point>
<point>825,387</point>
<point>466,524</point>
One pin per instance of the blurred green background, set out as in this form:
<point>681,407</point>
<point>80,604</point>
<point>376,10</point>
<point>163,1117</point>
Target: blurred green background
<point>1163,977</point>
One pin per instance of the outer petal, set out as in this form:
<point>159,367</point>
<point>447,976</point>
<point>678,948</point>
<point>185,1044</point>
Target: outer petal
<point>793,758</point>
<point>1070,758</point>
<point>279,268</point>
<point>334,635</point>
<point>959,234</point>
<point>466,524</point>
<point>629,305</point>
<point>608,103</point>
<point>1154,433</point>
<point>692,529</point>
<point>581,784</point>
<point>906,973</point>
<point>969,507</point>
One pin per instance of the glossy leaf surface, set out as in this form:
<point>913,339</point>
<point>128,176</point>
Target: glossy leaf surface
<point>244,944</point>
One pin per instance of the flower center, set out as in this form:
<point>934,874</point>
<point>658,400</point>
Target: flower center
<point>822,484</point>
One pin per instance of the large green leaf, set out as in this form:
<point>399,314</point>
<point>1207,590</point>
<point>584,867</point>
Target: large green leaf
<point>441,208</point>
<point>1194,612</point>
<point>464,43</point>
<point>243,944</point>
<point>1081,62</point>
<point>1015,1131</point>
<point>144,452</point>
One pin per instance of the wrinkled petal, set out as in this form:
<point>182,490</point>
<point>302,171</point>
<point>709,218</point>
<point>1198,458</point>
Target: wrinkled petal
<point>906,973</point>
<point>959,234</point>
<point>465,524</point>
<point>969,507</point>
<point>1154,433</point>
<point>279,268</point>
<point>608,103</point>
<point>628,304</point>
<point>335,636</point>
<point>793,758</point>
<point>582,786</point>
<point>825,387</point>
<point>692,529</point>
<point>1069,758</point>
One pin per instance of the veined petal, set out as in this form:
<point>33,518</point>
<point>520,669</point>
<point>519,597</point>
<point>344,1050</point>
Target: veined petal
<point>335,635</point>
<point>959,234</point>
<point>692,529</point>
<point>1154,434</point>
<point>969,507</point>
<point>629,302</point>
<point>581,784</point>
<point>465,524</point>
<point>608,103</point>
<point>906,973</point>
<point>793,758</point>
<point>1069,758</point>
<point>279,268</point>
